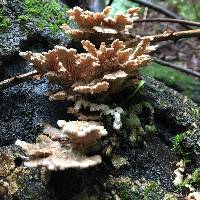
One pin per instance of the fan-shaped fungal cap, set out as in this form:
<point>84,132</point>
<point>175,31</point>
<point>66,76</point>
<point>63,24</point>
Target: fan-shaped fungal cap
<point>99,70</point>
<point>82,133</point>
<point>54,157</point>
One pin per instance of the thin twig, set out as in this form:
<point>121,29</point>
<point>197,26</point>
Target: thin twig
<point>176,35</point>
<point>179,21</point>
<point>145,17</point>
<point>166,36</point>
<point>17,79</point>
<point>174,66</point>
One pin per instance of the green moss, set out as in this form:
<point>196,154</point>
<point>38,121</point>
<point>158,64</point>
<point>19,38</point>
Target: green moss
<point>137,108</point>
<point>179,148</point>
<point>148,190</point>
<point>119,161</point>
<point>150,129</point>
<point>5,21</point>
<point>185,145</point>
<point>151,191</point>
<point>136,112</point>
<point>191,11</point>
<point>148,106</point>
<point>195,178</point>
<point>132,121</point>
<point>177,143</point>
<point>133,136</point>
<point>47,13</point>
<point>126,193</point>
<point>175,79</point>
<point>139,121</point>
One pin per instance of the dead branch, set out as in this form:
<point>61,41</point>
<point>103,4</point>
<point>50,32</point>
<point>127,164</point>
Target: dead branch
<point>174,35</point>
<point>158,8</point>
<point>179,21</point>
<point>174,66</point>
<point>17,79</point>
<point>166,36</point>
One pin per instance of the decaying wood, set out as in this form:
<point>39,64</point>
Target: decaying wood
<point>166,36</point>
<point>175,35</point>
<point>17,79</point>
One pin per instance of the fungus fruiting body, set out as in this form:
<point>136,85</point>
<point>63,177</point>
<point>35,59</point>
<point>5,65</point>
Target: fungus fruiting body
<point>105,70</point>
<point>100,24</point>
<point>58,149</point>
<point>99,70</point>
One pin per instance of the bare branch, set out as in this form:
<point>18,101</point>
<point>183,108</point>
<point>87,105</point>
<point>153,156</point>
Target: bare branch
<point>17,79</point>
<point>174,35</point>
<point>174,66</point>
<point>166,36</point>
<point>179,21</point>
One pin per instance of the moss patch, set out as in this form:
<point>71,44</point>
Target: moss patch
<point>119,161</point>
<point>139,121</point>
<point>127,189</point>
<point>175,79</point>
<point>46,13</point>
<point>192,180</point>
<point>186,145</point>
<point>5,21</point>
<point>177,144</point>
<point>151,191</point>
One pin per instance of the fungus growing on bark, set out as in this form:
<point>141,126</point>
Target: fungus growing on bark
<point>105,70</point>
<point>81,133</point>
<point>62,149</point>
<point>102,109</point>
<point>99,70</point>
<point>100,23</point>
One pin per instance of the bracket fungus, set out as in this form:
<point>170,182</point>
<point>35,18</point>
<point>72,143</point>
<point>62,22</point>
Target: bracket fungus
<point>62,149</point>
<point>99,70</point>
<point>81,133</point>
<point>105,70</point>
<point>100,23</point>
<point>102,108</point>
